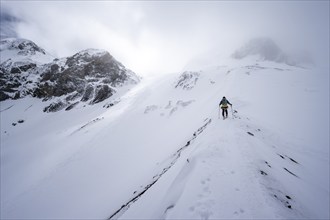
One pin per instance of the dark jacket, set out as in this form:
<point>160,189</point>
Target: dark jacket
<point>224,103</point>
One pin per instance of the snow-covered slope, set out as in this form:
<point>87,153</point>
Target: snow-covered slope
<point>163,151</point>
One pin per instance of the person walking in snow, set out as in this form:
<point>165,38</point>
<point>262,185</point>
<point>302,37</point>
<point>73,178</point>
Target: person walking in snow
<point>224,106</point>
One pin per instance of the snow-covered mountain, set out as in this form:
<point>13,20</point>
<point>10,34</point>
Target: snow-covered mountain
<point>264,48</point>
<point>22,50</point>
<point>90,76</point>
<point>163,151</point>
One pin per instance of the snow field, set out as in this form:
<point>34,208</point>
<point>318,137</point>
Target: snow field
<point>88,162</point>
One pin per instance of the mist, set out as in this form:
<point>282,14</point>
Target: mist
<point>162,37</point>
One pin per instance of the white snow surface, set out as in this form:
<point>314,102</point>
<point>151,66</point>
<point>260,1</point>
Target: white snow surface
<point>269,160</point>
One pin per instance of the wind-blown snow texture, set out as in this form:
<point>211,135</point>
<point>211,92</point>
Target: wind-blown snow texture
<point>162,152</point>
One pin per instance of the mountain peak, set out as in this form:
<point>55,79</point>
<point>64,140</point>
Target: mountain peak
<point>92,52</point>
<point>263,47</point>
<point>21,45</point>
<point>18,49</point>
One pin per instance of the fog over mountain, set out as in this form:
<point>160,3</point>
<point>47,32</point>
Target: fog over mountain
<point>161,37</point>
<point>7,25</point>
<point>84,136</point>
<point>267,49</point>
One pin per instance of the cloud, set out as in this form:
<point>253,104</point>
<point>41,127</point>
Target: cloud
<point>7,25</point>
<point>160,36</point>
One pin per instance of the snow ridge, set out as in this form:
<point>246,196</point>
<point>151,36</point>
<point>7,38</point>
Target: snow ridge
<point>173,160</point>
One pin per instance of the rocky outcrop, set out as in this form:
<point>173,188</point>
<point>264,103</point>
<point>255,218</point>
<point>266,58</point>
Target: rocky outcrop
<point>187,80</point>
<point>90,76</point>
<point>19,60</point>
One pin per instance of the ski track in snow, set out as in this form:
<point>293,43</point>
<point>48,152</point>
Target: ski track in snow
<point>7,108</point>
<point>86,125</point>
<point>155,178</point>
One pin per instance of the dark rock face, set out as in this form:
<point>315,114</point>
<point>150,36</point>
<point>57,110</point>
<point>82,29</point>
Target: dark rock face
<point>88,94</point>
<point>76,73</point>
<point>56,106</point>
<point>11,79</point>
<point>3,96</point>
<point>71,106</point>
<point>89,76</point>
<point>102,93</point>
<point>17,65</point>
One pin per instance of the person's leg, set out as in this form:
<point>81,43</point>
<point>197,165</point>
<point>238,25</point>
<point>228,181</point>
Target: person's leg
<point>223,112</point>
<point>226,112</point>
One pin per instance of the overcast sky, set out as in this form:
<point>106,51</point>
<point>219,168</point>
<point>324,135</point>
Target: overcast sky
<point>162,36</point>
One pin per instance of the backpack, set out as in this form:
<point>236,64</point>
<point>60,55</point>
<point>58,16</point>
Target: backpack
<point>224,103</point>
